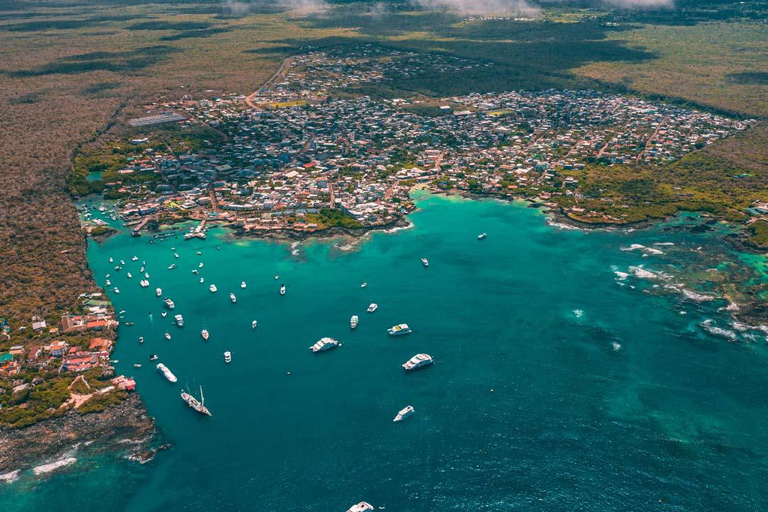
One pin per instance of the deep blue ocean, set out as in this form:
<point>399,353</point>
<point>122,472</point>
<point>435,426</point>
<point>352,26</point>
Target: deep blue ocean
<point>559,384</point>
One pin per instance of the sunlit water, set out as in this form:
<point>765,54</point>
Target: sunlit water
<point>557,385</point>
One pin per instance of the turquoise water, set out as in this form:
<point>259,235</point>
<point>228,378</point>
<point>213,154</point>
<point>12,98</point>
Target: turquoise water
<point>556,387</point>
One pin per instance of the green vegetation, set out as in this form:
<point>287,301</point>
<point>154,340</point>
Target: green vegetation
<point>328,218</point>
<point>39,402</point>
<point>99,402</point>
<point>759,234</point>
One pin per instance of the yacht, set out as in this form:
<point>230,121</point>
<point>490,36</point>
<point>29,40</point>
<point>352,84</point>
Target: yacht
<point>353,321</point>
<point>179,320</point>
<point>166,372</point>
<point>425,262</point>
<point>171,266</point>
<point>194,404</point>
<point>363,506</point>
<point>168,336</point>
<point>254,324</point>
<point>399,330</point>
<point>373,307</point>
<point>324,344</point>
<point>482,236</point>
<point>418,361</point>
<point>158,291</point>
<point>168,303</point>
<point>233,298</point>
<point>227,357</point>
<point>153,357</point>
<point>213,288</point>
<point>404,413</point>
<point>242,284</point>
<point>204,334</point>
<point>363,285</point>
<point>282,289</point>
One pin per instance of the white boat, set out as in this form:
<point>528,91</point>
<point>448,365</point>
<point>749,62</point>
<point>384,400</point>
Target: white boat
<point>175,255</point>
<point>213,288</point>
<point>482,236</point>
<point>144,283</point>
<point>418,361</point>
<point>168,336</point>
<point>324,344</point>
<point>116,290</point>
<point>199,253</point>
<point>282,289</point>
<point>227,356</point>
<point>202,280</point>
<point>111,260</point>
<point>109,283</point>
<point>122,262</point>
<point>118,268</point>
<point>141,339</point>
<point>191,401</point>
<point>179,320</point>
<point>194,271</point>
<point>277,277</point>
<point>200,265</point>
<point>399,330</point>
<point>233,298</point>
<point>166,372</point>
<point>153,357</point>
<point>164,314</point>
<point>353,321</point>
<point>146,275</point>
<point>141,269</point>
<point>204,334</point>
<point>425,262</point>
<point>135,258</point>
<point>242,284</point>
<point>373,307</point>
<point>363,506</point>
<point>171,266</point>
<point>158,292</point>
<point>137,365</point>
<point>363,285</point>
<point>169,303</point>
<point>128,275</point>
<point>404,413</point>
<point>254,324</point>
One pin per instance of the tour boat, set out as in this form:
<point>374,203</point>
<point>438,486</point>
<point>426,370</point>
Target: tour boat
<point>242,284</point>
<point>373,307</point>
<point>158,291</point>
<point>233,298</point>
<point>166,372</point>
<point>282,289</point>
<point>399,330</point>
<point>254,324</point>
<point>191,401</point>
<point>212,288</point>
<point>418,361</point>
<point>227,356</point>
<point>425,262</point>
<point>324,344</point>
<point>404,413</point>
<point>179,320</point>
<point>481,236</point>
<point>204,334</point>
<point>167,336</point>
<point>363,506</point>
<point>353,321</point>
<point>169,303</point>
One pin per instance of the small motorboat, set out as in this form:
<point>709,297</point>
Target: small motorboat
<point>482,236</point>
<point>164,314</point>
<point>141,339</point>
<point>194,271</point>
<point>373,307</point>
<point>363,285</point>
<point>200,265</point>
<point>204,334</point>
<point>153,357</point>
<point>233,298</point>
<point>363,506</point>
<point>202,280</point>
<point>282,289</point>
<point>277,277</point>
<point>116,290</point>
<point>242,284</point>
<point>167,336</point>
<point>213,288</point>
<point>136,365</point>
<point>425,262</point>
<point>129,275</point>
<point>254,324</point>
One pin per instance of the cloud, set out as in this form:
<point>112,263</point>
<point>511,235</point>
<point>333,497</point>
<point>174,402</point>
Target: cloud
<point>244,7</point>
<point>525,7</point>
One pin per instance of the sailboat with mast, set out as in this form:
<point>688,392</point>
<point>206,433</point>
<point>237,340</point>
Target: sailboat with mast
<point>199,406</point>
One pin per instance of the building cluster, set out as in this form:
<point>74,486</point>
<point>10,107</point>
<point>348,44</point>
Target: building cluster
<point>309,141</point>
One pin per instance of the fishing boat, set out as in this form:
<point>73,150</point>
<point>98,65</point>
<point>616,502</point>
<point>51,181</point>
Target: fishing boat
<point>353,321</point>
<point>482,236</point>
<point>363,506</point>
<point>227,357</point>
<point>254,324</point>
<point>242,285</point>
<point>418,361</point>
<point>282,289</point>
<point>166,372</point>
<point>191,401</point>
<point>213,288</point>
<point>324,344</point>
<point>373,307</point>
<point>204,334</point>
<point>167,336</point>
<point>158,292</point>
<point>404,413</point>
<point>233,298</point>
<point>425,262</point>
<point>399,330</point>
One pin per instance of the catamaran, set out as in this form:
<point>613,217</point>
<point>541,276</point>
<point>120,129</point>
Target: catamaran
<point>166,372</point>
<point>399,330</point>
<point>404,413</point>
<point>193,402</point>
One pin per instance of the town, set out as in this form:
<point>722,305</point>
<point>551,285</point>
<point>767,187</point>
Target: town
<point>310,150</point>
